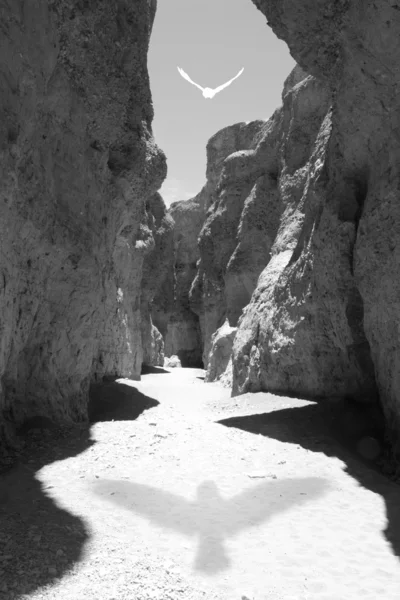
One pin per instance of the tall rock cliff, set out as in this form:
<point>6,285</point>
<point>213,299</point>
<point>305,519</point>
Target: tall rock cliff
<point>77,164</point>
<point>324,317</point>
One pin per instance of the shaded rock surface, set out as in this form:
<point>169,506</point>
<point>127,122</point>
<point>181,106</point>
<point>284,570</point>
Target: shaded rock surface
<point>171,309</point>
<point>157,264</point>
<point>324,317</point>
<point>77,163</point>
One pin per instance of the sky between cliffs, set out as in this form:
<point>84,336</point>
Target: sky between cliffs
<point>211,40</point>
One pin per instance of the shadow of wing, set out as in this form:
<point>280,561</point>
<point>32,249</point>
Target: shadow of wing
<point>259,503</point>
<point>158,506</point>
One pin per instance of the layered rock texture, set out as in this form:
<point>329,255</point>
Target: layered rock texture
<point>324,317</point>
<point>78,167</point>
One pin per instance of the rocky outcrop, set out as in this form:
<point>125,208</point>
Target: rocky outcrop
<point>324,317</point>
<point>78,162</point>
<point>171,310</point>
<point>220,357</point>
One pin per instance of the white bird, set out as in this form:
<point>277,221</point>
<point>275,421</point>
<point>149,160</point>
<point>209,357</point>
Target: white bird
<point>209,92</point>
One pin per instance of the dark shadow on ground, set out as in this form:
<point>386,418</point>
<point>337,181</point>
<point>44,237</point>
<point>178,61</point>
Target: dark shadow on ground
<point>202,378</point>
<point>40,542</point>
<point>191,359</point>
<point>114,401</point>
<point>327,427</point>
<point>149,370</point>
<point>210,518</point>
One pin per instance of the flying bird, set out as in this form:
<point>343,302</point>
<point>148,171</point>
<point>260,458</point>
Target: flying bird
<point>209,92</point>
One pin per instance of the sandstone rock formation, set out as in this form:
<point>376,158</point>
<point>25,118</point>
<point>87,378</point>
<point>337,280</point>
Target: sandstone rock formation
<point>324,317</point>
<point>77,164</point>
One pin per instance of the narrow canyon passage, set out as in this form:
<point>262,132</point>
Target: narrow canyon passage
<point>189,493</point>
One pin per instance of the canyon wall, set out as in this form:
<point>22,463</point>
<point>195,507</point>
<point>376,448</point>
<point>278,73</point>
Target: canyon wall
<point>324,317</point>
<point>181,311</point>
<point>292,285</point>
<point>78,165</point>
<point>299,254</point>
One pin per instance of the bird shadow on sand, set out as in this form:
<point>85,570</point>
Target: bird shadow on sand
<point>40,541</point>
<point>318,427</point>
<point>210,518</point>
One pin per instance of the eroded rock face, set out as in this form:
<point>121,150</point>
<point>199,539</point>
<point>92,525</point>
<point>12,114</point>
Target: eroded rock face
<point>247,209</point>
<point>324,318</point>
<point>77,163</point>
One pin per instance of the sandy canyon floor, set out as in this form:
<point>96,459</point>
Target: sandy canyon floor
<point>179,491</point>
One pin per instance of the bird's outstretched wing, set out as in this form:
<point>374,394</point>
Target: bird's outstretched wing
<point>160,507</point>
<point>224,85</point>
<point>258,503</point>
<point>186,76</point>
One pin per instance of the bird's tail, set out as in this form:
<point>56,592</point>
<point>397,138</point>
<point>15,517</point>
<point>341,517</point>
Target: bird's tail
<point>211,556</point>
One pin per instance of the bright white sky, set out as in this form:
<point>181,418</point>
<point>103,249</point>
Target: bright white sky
<point>211,40</point>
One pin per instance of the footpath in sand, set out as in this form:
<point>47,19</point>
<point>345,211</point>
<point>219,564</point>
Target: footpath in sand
<point>191,494</point>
